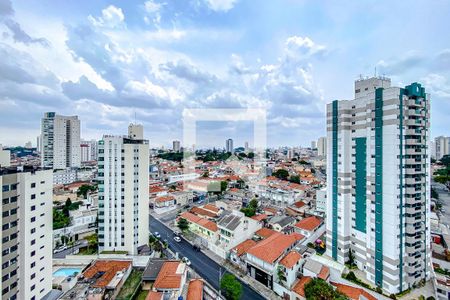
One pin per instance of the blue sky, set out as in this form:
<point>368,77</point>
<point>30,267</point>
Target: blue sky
<point>111,61</point>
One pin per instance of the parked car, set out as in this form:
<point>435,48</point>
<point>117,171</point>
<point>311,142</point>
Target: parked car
<point>157,235</point>
<point>186,261</point>
<point>177,239</point>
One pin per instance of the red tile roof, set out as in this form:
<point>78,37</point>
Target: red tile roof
<point>270,249</point>
<point>164,199</point>
<point>290,259</point>
<point>154,296</point>
<point>210,225</point>
<point>260,217</point>
<point>309,223</point>
<point>244,246</point>
<point>195,290</point>
<point>299,286</point>
<point>324,273</point>
<point>265,232</point>
<point>168,278</point>
<point>211,207</point>
<point>353,293</point>
<point>109,268</point>
<point>299,204</point>
<point>203,212</point>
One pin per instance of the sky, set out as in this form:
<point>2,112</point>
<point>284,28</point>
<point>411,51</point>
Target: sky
<point>116,62</point>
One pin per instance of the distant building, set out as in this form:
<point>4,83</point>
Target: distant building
<point>442,146</point>
<point>60,137</point>
<point>5,157</point>
<point>322,147</point>
<point>88,150</point>
<point>229,146</point>
<point>26,232</point>
<point>246,149</point>
<point>123,164</point>
<point>28,145</point>
<point>176,146</point>
<point>321,200</point>
<point>378,184</point>
<point>313,145</point>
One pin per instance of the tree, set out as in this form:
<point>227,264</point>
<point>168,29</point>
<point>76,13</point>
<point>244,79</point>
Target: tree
<point>351,258</point>
<point>281,174</point>
<point>231,286</point>
<point>318,289</point>
<point>223,186</point>
<point>183,224</point>
<point>92,240</point>
<point>294,179</point>
<point>303,162</point>
<point>351,276</point>
<point>60,219</point>
<point>281,275</point>
<point>251,155</point>
<point>250,210</point>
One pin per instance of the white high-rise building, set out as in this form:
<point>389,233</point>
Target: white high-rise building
<point>229,145</point>
<point>442,146</point>
<point>60,141</point>
<point>123,174</point>
<point>322,147</point>
<point>246,148</point>
<point>176,146</point>
<point>313,145</point>
<point>26,234</point>
<point>378,183</point>
<point>5,157</point>
<point>88,150</point>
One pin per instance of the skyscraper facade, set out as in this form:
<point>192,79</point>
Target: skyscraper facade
<point>378,182</point>
<point>442,146</point>
<point>60,141</point>
<point>26,234</point>
<point>229,146</point>
<point>322,146</point>
<point>123,174</point>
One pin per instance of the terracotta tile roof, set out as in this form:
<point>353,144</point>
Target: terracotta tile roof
<point>109,268</point>
<point>324,273</point>
<point>299,286</point>
<point>299,204</point>
<point>265,232</point>
<point>353,293</point>
<point>309,223</point>
<point>270,249</point>
<point>156,189</point>
<point>211,207</point>
<point>190,217</point>
<point>195,290</point>
<point>290,259</point>
<point>202,212</point>
<point>260,217</point>
<point>270,209</point>
<point>168,278</point>
<point>210,225</point>
<point>243,247</point>
<point>154,296</point>
<point>234,190</point>
<point>164,199</point>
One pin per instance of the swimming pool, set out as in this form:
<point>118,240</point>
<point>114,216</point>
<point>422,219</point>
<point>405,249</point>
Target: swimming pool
<point>66,272</point>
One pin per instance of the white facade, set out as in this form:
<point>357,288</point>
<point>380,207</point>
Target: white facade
<point>60,147</point>
<point>88,150</point>
<point>123,172</point>
<point>378,183</point>
<point>322,147</point>
<point>321,200</point>
<point>5,157</point>
<point>35,235</point>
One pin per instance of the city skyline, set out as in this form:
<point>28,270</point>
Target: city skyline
<point>207,54</point>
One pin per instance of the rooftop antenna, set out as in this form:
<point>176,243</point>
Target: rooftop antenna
<point>375,71</point>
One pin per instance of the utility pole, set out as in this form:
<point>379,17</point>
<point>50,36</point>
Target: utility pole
<point>220,277</point>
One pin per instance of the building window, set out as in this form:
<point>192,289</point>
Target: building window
<point>33,185</point>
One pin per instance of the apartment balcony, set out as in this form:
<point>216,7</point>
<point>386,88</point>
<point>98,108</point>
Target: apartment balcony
<point>413,171</point>
<point>416,180</point>
<point>417,131</point>
<point>412,161</point>
<point>418,112</point>
<point>414,142</point>
<point>414,103</point>
<point>412,210</point>
<point>414,151</point>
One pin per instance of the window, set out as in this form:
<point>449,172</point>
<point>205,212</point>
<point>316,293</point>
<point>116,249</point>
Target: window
<point>33,185</point>
<point>5,188</point>
<point>33,196</point>
<point>33,207</point>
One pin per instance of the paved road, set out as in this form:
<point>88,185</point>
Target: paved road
<point>202,264</point>
<point>444,200</point>
<point>69,251</point>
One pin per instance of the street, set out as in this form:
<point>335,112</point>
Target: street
<point>444,200</point>
<point>202,264</point>
<point>69,251</point>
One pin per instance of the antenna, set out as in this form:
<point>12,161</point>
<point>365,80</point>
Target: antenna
<point>375,71</point>
<point>135,122</point>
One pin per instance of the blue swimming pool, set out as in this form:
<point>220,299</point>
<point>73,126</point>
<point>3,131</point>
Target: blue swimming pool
<point>66,272</point>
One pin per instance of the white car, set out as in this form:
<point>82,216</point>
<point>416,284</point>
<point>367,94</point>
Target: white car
<point>157,235</point>
<point>186,261</point>
<point>177,239</point>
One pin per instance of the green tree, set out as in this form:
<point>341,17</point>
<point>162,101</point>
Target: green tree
<point>318,289</point>
<point>68,203</point>
<point>351,258</point>
<point>92,240</point>
<point>60,219</point>
<point>183,224</point>
<point>303,162</point>
<point>251,155</point>
<point>223,186</point>
<point>84,189</point>
<point>294,179</point>
<point>231,287</point>
<point>281,174</point>
<point>281,275</point>
<point>351,276</point>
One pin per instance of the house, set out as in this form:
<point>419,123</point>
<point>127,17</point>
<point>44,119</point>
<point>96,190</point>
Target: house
<point>183,198</point>
<point>195,290</point>
<point>237,253</point>
<point>262,259</point>
<point>353,293</point>
<point>264,233</point>
<point>171,279</point>
<point>234,228</point>
<point>308,226</point>
<point>203,227</point>
<point>203,213</point>
<point>315,269</point>
<point>287,273</point>
<point>279,223</point>
<point>165,201</point>
<point>151,273</point>
<point>298,290</point>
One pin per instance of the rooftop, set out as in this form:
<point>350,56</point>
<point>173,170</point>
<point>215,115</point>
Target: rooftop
<point>169,276</point>
<point>103,271</point>
<point>244,246</point>
<point>290,259</point>
<point>195,290</point>
<point>265,232</point>
<point>353,293</point>
<point>270,249</point>
<point>299,286</point>
<point>309,223</point>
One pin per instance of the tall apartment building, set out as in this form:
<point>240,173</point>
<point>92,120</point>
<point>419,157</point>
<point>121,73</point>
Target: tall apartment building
<point>60,141</point>
<point>378,182</point>
<point>26,232</point>
<point>442,146</point>
<point>229,146</point>
<point>123,174</point>
<point>322,146</point>
<point>176,146</point>
<point>5,157</point>
<point>88,151</point>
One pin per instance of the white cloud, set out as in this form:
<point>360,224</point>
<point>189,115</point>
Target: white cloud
<point>112,17</point>
<point>221,5</point>
<point>303,47</point>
